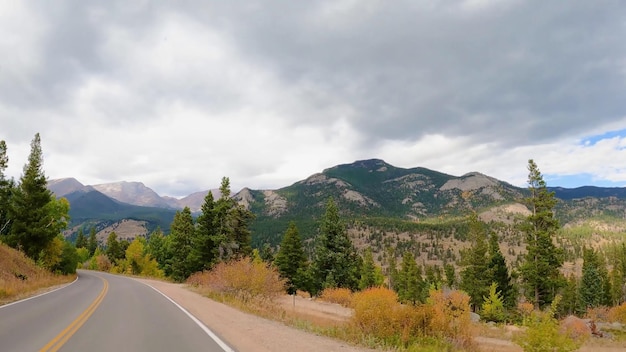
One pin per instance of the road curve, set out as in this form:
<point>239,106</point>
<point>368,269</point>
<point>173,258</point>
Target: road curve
<point>102,312</point>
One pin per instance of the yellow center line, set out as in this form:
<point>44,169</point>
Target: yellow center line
<point>56,343</point>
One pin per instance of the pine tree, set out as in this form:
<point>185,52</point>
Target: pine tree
<point>335,263</point>
<point>591,293</point>
<point>31,229</point>
<point>158,247</point>
<point>114,249</point>
<point>475,278</point>
<point>540,270</point>
<point>410,286</point>
<point>371,274</point>
<point>291,260</point>
<point>205,249</point>
<point>499,273</point>
<point>6,188</point>
<point>392,270</point>
<point>232,223</point>
<point>92,242</point>
<point>181,232</point>
<point>81,241</point>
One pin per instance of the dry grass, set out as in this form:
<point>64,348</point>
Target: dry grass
<point>20,277</point>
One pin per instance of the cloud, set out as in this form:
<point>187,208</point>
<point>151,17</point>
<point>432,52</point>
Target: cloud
<point>177,95</point>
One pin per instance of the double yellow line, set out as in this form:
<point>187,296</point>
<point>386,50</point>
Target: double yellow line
<point>58,342</point>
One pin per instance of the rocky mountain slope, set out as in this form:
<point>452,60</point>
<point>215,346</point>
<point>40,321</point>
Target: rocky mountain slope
<point>370,191</point>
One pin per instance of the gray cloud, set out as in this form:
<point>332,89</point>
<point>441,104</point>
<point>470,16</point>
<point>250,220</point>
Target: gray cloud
<point>257,89</point>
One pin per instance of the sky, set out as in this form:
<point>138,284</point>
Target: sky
<point>179,94</point>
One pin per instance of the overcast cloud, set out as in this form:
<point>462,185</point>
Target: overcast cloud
<point>178,94</point>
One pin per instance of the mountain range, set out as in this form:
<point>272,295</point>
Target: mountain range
<point>367,189</point>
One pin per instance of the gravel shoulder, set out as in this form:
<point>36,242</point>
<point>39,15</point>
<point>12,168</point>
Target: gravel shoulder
<point>247,332</point>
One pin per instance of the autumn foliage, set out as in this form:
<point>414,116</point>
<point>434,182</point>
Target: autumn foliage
<point>244,279</point>
<point>618,314</point>
<point>342,296</point>
<point>446,315</point>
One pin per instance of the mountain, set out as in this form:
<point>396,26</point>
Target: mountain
<point>61,187</point>
<point>135,193</point>
<point>368,192</point>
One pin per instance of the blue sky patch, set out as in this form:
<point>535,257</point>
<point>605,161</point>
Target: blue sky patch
<point>579,180</point>
<point>592,140</point>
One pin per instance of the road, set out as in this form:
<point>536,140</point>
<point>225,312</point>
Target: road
<point>102,312</point>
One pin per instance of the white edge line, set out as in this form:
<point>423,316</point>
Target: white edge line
<point>208,331</point>
<point>39,295</point>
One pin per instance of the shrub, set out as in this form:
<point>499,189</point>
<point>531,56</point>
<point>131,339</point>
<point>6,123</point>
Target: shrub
<point>243,279</point>
<point>493,307</point>
<point>342,296</point>
<point>597,313</point>
<point>544,334</point>
<point>451,316</point>
<point>374,312</point>
<point>618,314</point>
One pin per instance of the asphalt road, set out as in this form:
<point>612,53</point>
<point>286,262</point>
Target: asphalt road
<point>102,312</point>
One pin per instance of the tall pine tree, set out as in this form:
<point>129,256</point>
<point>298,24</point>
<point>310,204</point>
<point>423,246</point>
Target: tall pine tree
<point>181,232</point>
<point>205,249</point>
<point>499,273</point>
<point>291,260</point>
<point>409,284</point>
<point>540,270</point>
<point>6,187</point>
<point>336,261</point>
<point>32,227</point>
<point>475,279</point>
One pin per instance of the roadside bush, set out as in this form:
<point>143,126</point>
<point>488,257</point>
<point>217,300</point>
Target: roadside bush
<point>451,316</point>
<point>618,314</point>
<point>375,312</point>
<point>544,333</point>
<point>342,296</point>
<point>243,279</point>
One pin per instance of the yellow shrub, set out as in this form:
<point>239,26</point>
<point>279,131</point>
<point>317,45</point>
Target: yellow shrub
<point>341,296</point>
<point>450,315</point>
<point>374,311</point>
<point>618,314</point>
<point>242,279</point>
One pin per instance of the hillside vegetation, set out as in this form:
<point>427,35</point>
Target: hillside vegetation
<point>20,276</point>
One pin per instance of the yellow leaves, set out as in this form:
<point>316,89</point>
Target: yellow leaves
<point>244,279</point>
<point>342,296</point>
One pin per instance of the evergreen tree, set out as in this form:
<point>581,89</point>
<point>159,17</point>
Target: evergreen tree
<point>232,223</point>
<point>336,261</point>
<point>591,290</point>
<point>114,249</point>
<point>392,268</point>
<point>81,241</point>
<point>475,278</point>
<point>6,188</point>
<point>409,285</point>
<point>371,274</point>
<point>92,242</point>
<point>181,232</point>
<point>204,251</point>
<point>31,229</point>
<point>158,246</point>
<point>450,275</point>
<point>569,297</point>
<point>499,273</point>
<point>540,270</point>
<point>291,260</point>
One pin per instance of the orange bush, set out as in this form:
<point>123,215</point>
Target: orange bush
<point>374,311</point>
<point>597,313</point>
<point>341,296</point>
<point>450,315</point>
<point>618,314</point>
<point>243,279</point>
